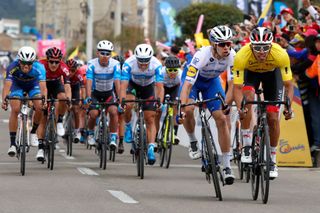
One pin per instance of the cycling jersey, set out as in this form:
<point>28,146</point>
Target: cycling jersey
<point>206,66</point>
<point>76,78</point>
<point>33,77</point>
<point>62,71</point>
<point>245,60</point>
<point>131,71</point>
<point>171,82</point>
<point>103,77</point>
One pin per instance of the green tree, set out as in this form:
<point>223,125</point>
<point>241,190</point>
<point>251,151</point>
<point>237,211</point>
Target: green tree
<point>214,14</point>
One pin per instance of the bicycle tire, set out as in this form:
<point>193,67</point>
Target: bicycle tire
<point>23,146</point>
<point>265,159</point>
<point>52,144</point>
<point>163,144</point>
<point>70,137</point>
<point>112,155</point>
<point>254,169</point>
<point>141,148</point>
<point>212,163</point>
<point>136,151</point>
<point>171,141</point>
<point>103,142</point>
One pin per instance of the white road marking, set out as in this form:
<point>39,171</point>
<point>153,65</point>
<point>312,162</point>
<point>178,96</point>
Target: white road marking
<point>87,171</point>
<point>57,146</point>
<point>62,151</point>
<point>123,197</point>
<point>5,120</point>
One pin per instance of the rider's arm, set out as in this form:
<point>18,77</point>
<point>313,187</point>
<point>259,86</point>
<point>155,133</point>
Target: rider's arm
<point>286,75</point>
<point>238,79</point>
<point>90,77</point>
<point>125,77</point>
<point>43,89</point>
<point>159,83</point>
<point>6,89</point>
<point>117,78</point>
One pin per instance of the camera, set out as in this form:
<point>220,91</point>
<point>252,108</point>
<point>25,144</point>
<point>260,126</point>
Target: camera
<point>291,28</point>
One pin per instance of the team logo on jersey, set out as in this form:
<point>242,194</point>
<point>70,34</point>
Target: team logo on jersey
<point>195,60</point>
<point>192,71</point>
<point>211,59</point>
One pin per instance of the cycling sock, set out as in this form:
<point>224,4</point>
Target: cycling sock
<point>34,128</point>
<point>192,137</point>
<point>13,138</point>
<point>193,146</point>
<point>226,160</point>
<point>41,145</point>
<point>247,137</point>
<point>176,129</point>
<point>273,153</point>
<point>60,118</point>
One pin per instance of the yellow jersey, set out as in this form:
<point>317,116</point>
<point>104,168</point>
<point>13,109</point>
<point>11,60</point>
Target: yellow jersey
<point>245,60</point>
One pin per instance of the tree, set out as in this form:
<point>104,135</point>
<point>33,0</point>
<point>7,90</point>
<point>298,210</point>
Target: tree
<point>214,14</point>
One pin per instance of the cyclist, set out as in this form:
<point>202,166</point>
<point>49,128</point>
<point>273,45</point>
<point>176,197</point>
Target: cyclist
<point>56,69</point>
<point>103,75</point>
<point>141,77</point>
<point>24,75</point>
<point>171,82</point>
<point>264,62</point>
<point>203,77</point>
<point>120,116</point>
<point>77,91</point>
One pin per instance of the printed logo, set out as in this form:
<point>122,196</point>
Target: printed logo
<point>191,71</point>
<point>286,148</point>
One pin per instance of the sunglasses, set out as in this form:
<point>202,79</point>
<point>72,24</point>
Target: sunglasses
<point>223,44</point>
<point>263,48</point>
<point>26,62</point>
<point>54,62</point>
<point>143,60</point>
<point>172,70</point>
<point>104,53</point>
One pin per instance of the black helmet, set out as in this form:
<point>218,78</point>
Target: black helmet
<point>172,62</point>
<point>120,59</point>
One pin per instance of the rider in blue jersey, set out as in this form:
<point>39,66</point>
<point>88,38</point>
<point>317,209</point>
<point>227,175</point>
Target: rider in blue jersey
<point>24,75</point>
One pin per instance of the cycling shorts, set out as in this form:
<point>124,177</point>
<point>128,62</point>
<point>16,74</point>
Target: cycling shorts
<point>18,90</point>
<point>143,92</point>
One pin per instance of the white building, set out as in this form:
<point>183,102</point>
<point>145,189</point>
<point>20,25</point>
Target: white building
<point>10,26</point>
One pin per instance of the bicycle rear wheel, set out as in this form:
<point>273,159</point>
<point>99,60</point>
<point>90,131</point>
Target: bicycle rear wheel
<point>264,159</point>
<point>212,162</point>
<point>254,168</point>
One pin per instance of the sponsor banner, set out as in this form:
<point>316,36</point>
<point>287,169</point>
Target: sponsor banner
<point>43,45</point>
<point>293,148</point>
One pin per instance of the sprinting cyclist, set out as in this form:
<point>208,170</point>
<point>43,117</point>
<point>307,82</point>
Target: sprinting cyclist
<point>266,63</point>
<point>142,78</point>
<point>24,74</point>
<point>103,79</point>
<point>77,91</point>
<point>56,71</point>
<point>203,77</point>
<point>171,82</point>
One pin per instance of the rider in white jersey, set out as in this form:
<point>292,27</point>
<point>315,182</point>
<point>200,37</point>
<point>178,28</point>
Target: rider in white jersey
<point>141,73</point>
<point>203,77</point>
<point>103,73</point>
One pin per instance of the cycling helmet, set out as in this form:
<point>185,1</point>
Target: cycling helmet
<point>105,45</point>
<point>172,62</point>
<point>54,52</point>
<point>143,53</point>
<point>220,34</point>
<point>72,64</point>
<point>120,59</point>
<point>27,54</point>
<point>287,10</point>
<point>261,35</point>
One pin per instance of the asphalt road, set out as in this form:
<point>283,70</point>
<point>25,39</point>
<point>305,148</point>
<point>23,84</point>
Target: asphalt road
<point>78,185</point>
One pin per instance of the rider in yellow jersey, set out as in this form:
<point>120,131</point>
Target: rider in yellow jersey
<point>267,63</point>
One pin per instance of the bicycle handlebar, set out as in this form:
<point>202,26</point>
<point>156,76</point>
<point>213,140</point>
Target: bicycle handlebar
<point>25,98</point>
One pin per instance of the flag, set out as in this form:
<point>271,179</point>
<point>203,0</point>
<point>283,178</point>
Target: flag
<point>74,53</point>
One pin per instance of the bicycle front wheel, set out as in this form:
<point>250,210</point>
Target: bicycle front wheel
<point>170,141</point>
<point>23,143</point>
<point>254,168</point>
<point>141,148</point>
<point>265,159</point>
<point>212,159</point>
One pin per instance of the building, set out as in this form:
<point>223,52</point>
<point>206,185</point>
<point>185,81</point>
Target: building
<point>10,26</point>
<point>66,19</point>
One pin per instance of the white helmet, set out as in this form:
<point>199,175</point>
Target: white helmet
<point>105,45</point>
<point>220,33</point>
<point>143,53</point>
<point>261,35</point>
<point>27,54</point>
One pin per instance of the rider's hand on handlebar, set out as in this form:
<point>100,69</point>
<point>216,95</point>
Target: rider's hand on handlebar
<point>180,118</point>
<point>288,114</point>
<point>4,105</point>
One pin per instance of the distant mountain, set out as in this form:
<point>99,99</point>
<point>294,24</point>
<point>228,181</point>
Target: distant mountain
<point>19,9</point>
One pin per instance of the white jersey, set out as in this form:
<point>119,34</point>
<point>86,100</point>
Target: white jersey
<point>171,82</point>
<point>103,77</point>
<point>208,67</point>
<point>131,71</point>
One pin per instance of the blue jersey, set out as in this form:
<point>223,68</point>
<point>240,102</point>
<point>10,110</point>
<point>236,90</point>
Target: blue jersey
<point>32,78</point>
